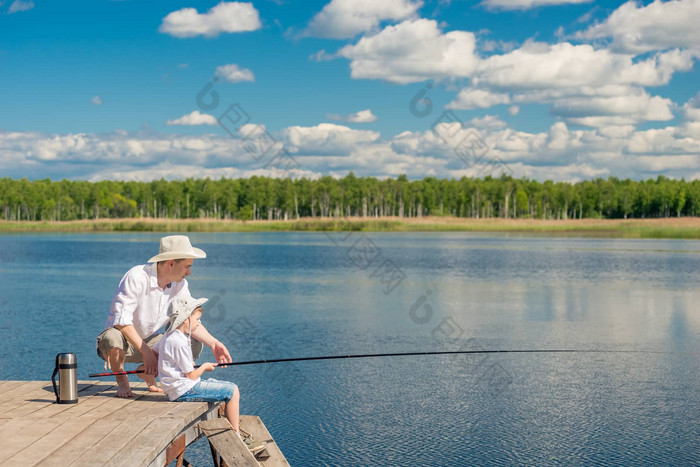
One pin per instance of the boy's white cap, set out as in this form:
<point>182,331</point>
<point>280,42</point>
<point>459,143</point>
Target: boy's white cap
<point>180,309</point>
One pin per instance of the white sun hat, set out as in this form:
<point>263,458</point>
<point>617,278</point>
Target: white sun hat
<point>180,309</point>
<point>177,247</point>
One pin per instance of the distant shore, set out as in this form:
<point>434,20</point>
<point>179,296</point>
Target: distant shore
<point>684,227</point>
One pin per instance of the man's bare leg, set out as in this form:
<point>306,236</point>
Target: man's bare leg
<point>149,379</point>
<point>115,359</point>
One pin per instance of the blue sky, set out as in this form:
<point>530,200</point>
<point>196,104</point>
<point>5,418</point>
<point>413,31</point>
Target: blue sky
<point>547,89</point>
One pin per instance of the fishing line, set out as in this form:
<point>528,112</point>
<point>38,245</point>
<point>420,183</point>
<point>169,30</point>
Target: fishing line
<point>398,354</point>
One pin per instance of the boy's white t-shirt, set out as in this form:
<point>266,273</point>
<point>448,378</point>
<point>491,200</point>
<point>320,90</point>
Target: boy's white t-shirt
<point>174,360</point>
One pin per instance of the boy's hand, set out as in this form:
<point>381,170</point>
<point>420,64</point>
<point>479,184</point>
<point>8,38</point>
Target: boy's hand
<point>208,366</point>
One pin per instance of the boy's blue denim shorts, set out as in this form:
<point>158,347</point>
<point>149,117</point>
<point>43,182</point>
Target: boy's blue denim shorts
<point>210,390</point>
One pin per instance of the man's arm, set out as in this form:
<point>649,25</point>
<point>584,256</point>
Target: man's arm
<point>150,361</point>
<point>220,351</point>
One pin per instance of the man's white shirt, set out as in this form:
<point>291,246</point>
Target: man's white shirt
<point>139,300</point>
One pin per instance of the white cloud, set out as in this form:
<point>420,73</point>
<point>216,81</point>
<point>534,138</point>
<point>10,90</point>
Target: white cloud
<point>558,153</point>
<point>488,122</point>
<point>690,126</point>
<point>170,171</point>
<point>470,98</point>
<point>633,107</point>
<point>326,138</point>
<point>513,110</point>
<point>321,56</point>
<point>20,5</point>
<point>538,65</point>
<point>584,85</point>
<point>234,74</point>
<point>656,26</point>
<point>665,141</point>
<point>363,116</point>
<point>194,118</point>
<point>343,19</point>
<point>252,130</point>
<point>526,4</point>
<point>97,100</point>
<point>488,45</point>
<point>223,18</point>
<point>412,51</point>
<point>655,164</point>
<point>691,109</point>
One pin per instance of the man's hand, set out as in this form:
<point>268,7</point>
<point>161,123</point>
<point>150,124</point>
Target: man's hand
<point>208,366</point>
<point>221,353</point>
<point>150,361</point>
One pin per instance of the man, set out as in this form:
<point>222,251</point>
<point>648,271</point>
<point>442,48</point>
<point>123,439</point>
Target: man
<point>139,310</point>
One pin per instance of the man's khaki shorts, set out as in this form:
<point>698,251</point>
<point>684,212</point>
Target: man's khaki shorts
<point>112,337</point>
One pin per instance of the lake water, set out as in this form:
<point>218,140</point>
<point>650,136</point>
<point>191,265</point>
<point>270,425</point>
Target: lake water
<point>278,295</point>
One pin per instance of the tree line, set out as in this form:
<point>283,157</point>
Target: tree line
<point>273,199</point>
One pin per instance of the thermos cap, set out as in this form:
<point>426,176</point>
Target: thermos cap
<point>66,358</point>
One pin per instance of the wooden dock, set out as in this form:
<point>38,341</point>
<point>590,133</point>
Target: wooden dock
<point>146,430</point>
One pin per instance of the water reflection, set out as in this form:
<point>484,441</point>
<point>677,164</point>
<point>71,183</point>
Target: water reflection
<point>302,296</point>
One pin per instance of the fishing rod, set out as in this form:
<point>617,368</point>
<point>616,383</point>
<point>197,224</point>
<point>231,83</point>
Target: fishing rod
<point>398,354</point>
<point>135,372</point>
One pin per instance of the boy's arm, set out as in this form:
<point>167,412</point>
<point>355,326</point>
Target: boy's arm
<point>198,372</point>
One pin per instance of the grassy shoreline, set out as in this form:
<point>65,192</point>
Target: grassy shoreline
<point>683,228</point>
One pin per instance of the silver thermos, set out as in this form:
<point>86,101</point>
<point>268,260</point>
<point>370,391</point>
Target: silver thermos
<point>67,369</point>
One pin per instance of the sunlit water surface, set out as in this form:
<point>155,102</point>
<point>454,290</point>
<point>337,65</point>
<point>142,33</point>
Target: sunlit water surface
<point>283,295</point>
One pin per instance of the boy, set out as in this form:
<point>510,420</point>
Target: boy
<point>181,381</point>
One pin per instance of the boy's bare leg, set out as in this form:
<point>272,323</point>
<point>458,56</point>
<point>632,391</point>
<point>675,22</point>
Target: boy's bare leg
<point>231,411</point>
<point>149,379</point>
<point>115,359</point>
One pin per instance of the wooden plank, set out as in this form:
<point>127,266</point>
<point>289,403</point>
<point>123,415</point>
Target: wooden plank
<point>10,427</point>
<point>19,390</point>
<point>52,410</point>
<point>10,385</point>
<point>53,441</point>
<point>151,441</point>
<point>11,402</point>
<point>87,403</point>
<point>158,435</point>
<point>190,410</point>
<point>74,449</point>
<point>111,405</point>
<point>149,406</point>
<point>108,447</point>
<point>253,425</point>
<point>20,433</point>
<point>31,402</point>
<point>103,430</point>
<point>115,404</point>
<point>176,449</point>
<point>232,450</point>
<point>192,433</point>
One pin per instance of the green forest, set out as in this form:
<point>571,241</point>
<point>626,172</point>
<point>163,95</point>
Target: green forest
<point>263,198</point>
